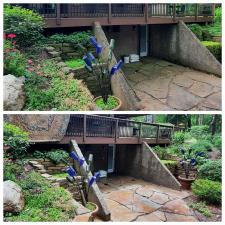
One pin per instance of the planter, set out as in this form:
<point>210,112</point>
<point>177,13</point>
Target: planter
<point>186,182</point>
<point>94,210</point>
<point>6,147</point>
<point>117,108</point>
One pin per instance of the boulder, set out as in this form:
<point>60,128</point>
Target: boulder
<point>14,95</point>
<point>12,197</point>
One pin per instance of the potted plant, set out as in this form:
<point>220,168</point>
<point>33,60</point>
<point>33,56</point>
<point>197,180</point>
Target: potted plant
<point>188,164</point>
<point>101,69</point>
<point>88,182</point>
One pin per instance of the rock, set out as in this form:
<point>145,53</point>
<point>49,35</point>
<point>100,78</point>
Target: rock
<point>46,175</point>
<point>61,64</point>
<point>14,95</point>
<point>50,49</point>
<point>66,70</point>
<point>58,59</point>
<point>12,197</point>
<point>80,209</point>
<point>54,54</point>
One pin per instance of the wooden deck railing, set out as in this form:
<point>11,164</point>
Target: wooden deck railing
<point>105,127</point>
<point>116,14</point>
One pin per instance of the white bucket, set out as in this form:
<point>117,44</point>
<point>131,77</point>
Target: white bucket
<point>126,59</point>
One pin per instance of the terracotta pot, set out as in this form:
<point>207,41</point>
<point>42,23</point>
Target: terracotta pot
<point>6,147</point>
<point>94,212</point>
<point>186,182</point>
<point>115,109</point>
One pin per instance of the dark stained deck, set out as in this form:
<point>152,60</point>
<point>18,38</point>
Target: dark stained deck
<point>77,15</point>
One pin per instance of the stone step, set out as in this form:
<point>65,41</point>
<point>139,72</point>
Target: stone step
<point>80,209</point>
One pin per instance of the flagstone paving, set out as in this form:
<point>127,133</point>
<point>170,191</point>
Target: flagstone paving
<point>130,199</point>
<point>162,85</point>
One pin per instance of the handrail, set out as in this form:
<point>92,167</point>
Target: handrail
<point>102,126</point>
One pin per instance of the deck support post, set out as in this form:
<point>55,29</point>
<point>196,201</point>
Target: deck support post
<point>196,12</point>
<point>157,134</point>
<point>146,13</point>
<point>174,12</point>
<point>58,14</point>
<point>85,128</point>
<point>109,13</point>
<point>139,135</point>
<point>116,129</point>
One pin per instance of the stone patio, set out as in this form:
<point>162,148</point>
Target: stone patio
<point>162,85</point>
<point>130,199</point>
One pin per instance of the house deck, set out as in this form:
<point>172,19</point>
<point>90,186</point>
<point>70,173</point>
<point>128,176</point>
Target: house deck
<point>93,129</point>
<point>77,15</point>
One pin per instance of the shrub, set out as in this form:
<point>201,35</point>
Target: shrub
<point>199,132</point>
<point>218,15</point>
<point>25,23</point>
<point>197,30</point>
<point>202,146</point>
<point>14,60</point>
<point>211,170</point>
<point>57,155</point>
<point>178,138</point>
<point>11,171</point>
<point>214,47</point>
<point>161,152</point>
<point>172,165</point>
<point>207,190</point>
<point>217,141</point>
<point>17,139</point>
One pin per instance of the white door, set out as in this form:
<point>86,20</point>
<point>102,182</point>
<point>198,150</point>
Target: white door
<point>143,40</point>
<point>111,158</point>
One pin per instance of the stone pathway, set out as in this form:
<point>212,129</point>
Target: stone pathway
<point>162,85</point>
<point>130,199</point>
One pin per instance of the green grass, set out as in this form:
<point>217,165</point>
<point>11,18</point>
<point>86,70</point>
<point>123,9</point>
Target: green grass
<point>60,175</point>
<point>74,63</point>
<point>43,203</point>
<point>111,104</point>
<point>169,161</point>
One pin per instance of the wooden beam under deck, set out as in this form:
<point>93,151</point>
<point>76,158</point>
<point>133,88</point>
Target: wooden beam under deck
<point>108,140</point>
<point>104,21</point>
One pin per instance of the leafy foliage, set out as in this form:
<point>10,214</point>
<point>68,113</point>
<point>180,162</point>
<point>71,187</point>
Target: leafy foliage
<point>214,47</point>
<point>202,208</point>
<point>197,30</point>
<point>74,38</point>
<point>42,201</point>
<point>178,138</point>
<point>161,152</point>
<point>25,23</point>
<point>48,88</point>
<point>111,103</point>
<point>17,139</point>
<point>207,190</point>
<point>200,131</point>
<point>57,155</point>
<point>217,141</point>
<point>202,146</point>
<point>211,170</point>
<point>14,60</point>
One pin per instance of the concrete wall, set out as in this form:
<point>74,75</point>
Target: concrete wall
<point>178,44</point>
<point>95,194</point>
<point>126,38</point>
<point>120,87</point>
<point>141,162</point>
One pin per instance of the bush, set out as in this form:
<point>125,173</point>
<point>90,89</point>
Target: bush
<point>178,138</point>
<point>14,60</point>
<point>207,190</point>
<point>161,152</point>
<point>217,141</point>
<point>17,139</point>
<point>11,171</point>
<point>172,165</point>
<point>197,30</point>
<point>218,15</point>
<point>199,132</point>
<point>202,146</point>
<point>202,208</point>
<point>57,155</point>
<point>211,170</point>
<point>25,23</point>
<point>214,47</point>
